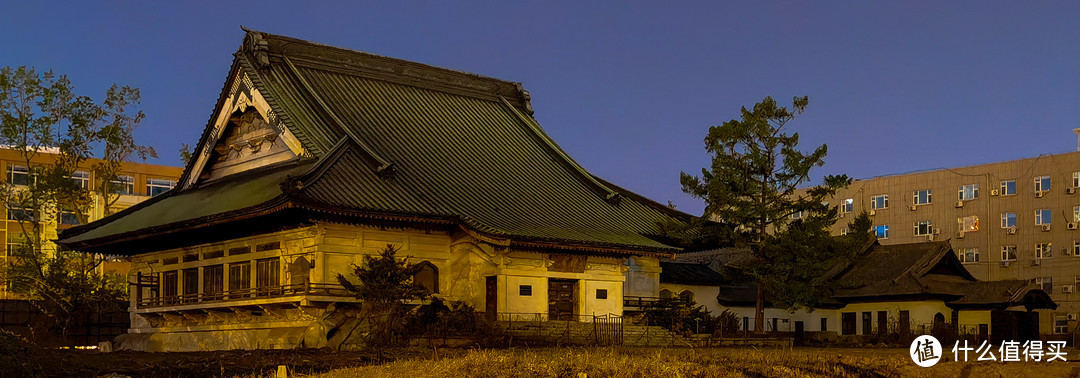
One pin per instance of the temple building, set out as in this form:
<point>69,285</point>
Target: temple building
<point>315,156</point>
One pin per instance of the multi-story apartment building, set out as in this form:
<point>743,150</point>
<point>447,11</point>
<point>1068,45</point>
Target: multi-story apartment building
<point>1009,220</point>
<point>135,183</point>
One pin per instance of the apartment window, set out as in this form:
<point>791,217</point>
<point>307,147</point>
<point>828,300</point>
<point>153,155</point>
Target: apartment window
<point>1008,220</point>
<point>797,215</point>
<point>158,186</point>
<point>847,206</point>
<point>1042,184</point>
<point>213,282</point>
<point>1061,325</point>
<point>1076,179</point>
<point>882,231</point>
<point>267,275</point>
<point>168,286</point>
<point>18,175</point>
<point>968,224</point>
<point>1076,248</point>
<point>1076,214</point>
<point>191,285</point>
<point>1046,283</point>
<point>122,184</point>
<point>69,217</point>
<point>923,228</point>
<point>969,192</point>
<point>19,213</point>
<point>880,201</point>
<point>845,231</point>
<point>1042,216</point>
<point>1044,250</point>
<point>1008,187</point>
<point>968,255</point>
<point>240,278</point>
<point>81,179</point>
<point>1008,253</point>
<point>922,197</point>
<point>525,290</point>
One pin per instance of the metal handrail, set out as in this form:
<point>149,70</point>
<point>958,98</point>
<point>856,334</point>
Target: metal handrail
<point>276,291</point>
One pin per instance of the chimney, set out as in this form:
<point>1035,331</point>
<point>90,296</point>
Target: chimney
<point>1077,131</point>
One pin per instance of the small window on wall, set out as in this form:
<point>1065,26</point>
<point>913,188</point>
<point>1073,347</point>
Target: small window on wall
<point>1008,187</point>
<point>882,231</point>
<point>601,293</point>
<point>525,290</point>
<point>922,197</point>
<point>968,192</point>
<point>1042,184</point>
<point>427,276</point>
<point>686,296</point>
<point>848,205</point>
<point>665,294</point>
<point>18,175</point>
<point>968,255</point>
<point>122,184</point>
<point>1061,325</point>
<point>968,223</point>
<point>880,201</point>
<point>1008,253</point>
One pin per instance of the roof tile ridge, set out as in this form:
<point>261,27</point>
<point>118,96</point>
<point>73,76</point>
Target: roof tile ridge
<point>380,165</point>
<point>608,194</point>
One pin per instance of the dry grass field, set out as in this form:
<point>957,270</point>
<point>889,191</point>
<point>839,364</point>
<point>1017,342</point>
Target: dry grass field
<point>686,362</point>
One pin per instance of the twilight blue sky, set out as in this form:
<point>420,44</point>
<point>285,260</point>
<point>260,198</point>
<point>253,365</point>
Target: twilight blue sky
<point>629,89</point>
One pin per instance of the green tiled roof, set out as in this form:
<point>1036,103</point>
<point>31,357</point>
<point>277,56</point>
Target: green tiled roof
<point>402,138</point>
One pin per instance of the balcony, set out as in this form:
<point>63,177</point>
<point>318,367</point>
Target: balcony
<point>254,296</point>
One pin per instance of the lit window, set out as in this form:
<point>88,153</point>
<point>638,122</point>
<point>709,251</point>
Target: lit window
<point>1008,253</point>
<point>968,223</point>
<point>1042,217</point>
<point>845,231</point>
<point>1044,250</point>
<point>158,186</point>
<point>123,184</point>
<point>922,197</point>
<point>968,255</point>
<point>1046,283</point>
<point>1076,213</point>
<point>1042,184</point>
<point>923,228</point>
<point>882,231</point>
<point>847,206</point>
<point>1008,220</point>
<point>879,202</point>
<point>1061,324</point>
<point>18,175</point>
<point>1008,187</point>
<point>969,192</point>
<point>81,178</point>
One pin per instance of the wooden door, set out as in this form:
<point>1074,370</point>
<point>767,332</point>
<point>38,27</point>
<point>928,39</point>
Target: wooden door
<point>882,322</point>
<point>561,299</point>
<point>492,296</point>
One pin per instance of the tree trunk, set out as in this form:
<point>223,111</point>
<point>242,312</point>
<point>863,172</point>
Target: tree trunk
<point>759,310</point>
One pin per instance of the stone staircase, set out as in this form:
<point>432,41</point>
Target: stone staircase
<point>584,333</point>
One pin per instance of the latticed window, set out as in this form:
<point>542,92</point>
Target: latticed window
<point>18,175</point>
<point>968,255</point>
<point>158,186</point>
<point>1043,250</point>
<point>122,184</point>
<point>969,192</point>
<point>1008,253</point>
<point>921,197</point>
<point>1008,220</point>
<point>923,228</point>
<point>240,276</point>
<point>1042,184</point>
<point>880,201</point>
<point>267,275</point>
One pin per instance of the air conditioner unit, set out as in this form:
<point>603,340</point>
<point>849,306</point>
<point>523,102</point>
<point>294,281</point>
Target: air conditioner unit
<point>960,235</point>
<point>1067,289</point>
<point>1045,227</point>
<point>1070,190</point>
<point>994,192</point>
<point>1038,194</point>
<point>1011,230</point>
<point>959,203</point>
<point>1072,225</point>
<point>936,232</point>
<point>913,207</point>
<point>1036,262</point>
<point>1072,316</point>
<point>873,212</point>
<point>1005,264</point>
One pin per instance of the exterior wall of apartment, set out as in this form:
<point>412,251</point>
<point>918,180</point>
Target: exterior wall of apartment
<point>12,232</point>
<point>310,259</point>
<point>902,213</point>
